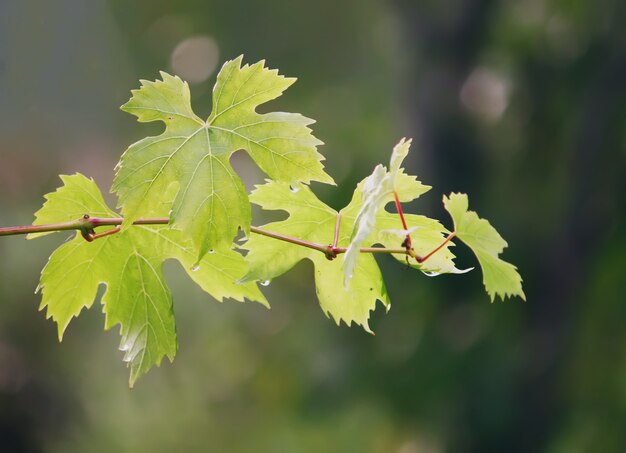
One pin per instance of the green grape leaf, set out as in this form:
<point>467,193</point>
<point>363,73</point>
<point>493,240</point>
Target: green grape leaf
<point>129,264</point>
<point>210,201</point>
<point>499,277</point>
<point>376,191</point>
<point>313,221</point>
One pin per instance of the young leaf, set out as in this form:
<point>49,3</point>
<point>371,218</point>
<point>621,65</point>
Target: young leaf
<point>210,202</point>
<point>499,277</point>
<point>376,191</point>
<point>311,220</point>
<point>129,264</point>
<point>426,233</point>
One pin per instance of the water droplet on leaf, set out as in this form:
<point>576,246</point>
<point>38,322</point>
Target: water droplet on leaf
<point>211,251</point>
<point>294,189</point>
<point>265,283</point>
<point>431,274</point>
<point>195,269</point>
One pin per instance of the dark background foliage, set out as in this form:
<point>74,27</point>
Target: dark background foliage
<point>520,104</point>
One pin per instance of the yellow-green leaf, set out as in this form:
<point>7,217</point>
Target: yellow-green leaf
<point>499,277</point>
<point>129,264</point>
<point>209,202</point>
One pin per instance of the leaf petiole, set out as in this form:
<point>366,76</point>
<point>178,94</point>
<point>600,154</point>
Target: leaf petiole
<point>421,259</point>
<point>91,235</point>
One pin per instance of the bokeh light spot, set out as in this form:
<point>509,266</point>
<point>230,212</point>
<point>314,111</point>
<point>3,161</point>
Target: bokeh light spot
<point>486,94</point>
<point>194,59</point>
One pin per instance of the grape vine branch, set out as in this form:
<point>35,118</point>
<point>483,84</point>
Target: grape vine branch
<point>87,225</point>
<point>179,198</point>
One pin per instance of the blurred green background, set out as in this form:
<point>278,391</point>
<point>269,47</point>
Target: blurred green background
<point>521,104</point>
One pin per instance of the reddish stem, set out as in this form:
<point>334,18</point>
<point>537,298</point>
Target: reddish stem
<point>93,236</point>
<point>421,259</point>
<point>407,242</point>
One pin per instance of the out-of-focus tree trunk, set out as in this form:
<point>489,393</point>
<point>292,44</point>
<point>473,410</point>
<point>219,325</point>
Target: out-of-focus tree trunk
<point>444,49</point>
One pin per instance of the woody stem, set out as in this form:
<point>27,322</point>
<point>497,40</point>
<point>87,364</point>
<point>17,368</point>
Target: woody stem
<point>87,224</point>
